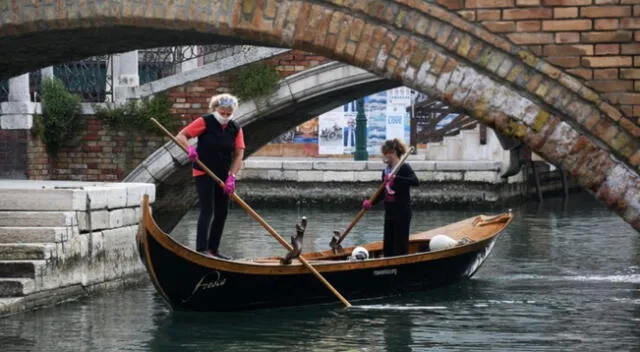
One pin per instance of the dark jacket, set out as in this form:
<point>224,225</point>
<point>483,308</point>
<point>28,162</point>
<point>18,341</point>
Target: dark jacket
<point>400,201</point>
<point>216,146</point>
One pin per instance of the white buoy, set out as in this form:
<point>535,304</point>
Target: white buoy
<point>359,253</point>
<point>439,242</point>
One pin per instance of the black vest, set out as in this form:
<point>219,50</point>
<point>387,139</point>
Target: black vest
<point>216,146</point>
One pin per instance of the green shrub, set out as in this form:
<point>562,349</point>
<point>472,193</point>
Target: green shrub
<point>135,115</point>
<point>61,116</point>
<point>254,80</point>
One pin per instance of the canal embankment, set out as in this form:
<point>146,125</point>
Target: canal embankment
<point>265,181</point>
<point>62,240</point>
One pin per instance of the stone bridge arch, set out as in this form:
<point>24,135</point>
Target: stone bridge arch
<point>421,44</point>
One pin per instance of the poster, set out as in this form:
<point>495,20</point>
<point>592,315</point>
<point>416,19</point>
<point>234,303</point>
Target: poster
<point>387,118</point>
<point>330,125</point>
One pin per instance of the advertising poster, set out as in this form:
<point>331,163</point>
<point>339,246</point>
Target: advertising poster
<point>375,107</point>
<point>330,131</point>
<point>387,118</point>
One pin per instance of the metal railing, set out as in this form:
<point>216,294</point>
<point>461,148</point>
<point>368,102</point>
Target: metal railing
<point>92,80</point>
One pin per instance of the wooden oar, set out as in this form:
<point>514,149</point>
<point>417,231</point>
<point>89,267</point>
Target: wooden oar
<point>337,238</point>
<point>258,218</point>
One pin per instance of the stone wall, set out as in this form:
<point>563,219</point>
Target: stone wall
<point>61,239</point>
<point>13,150</point>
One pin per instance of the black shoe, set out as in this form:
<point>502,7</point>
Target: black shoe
<point>217,254</point>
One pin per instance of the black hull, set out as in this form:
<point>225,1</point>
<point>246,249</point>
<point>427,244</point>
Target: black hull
<point>190,286</point>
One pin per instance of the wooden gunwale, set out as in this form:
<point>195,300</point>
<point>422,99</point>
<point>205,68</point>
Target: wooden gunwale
<point>324,266</point>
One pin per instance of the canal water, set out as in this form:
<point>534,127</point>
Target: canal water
<point>563,277</point>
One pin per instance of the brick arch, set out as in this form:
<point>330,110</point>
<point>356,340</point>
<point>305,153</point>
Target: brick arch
<point>421,44</point>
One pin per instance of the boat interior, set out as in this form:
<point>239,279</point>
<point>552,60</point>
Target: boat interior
<point>460,233</point>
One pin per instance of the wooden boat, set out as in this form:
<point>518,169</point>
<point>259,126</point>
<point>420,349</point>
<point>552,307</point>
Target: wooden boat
<point>191,281</point>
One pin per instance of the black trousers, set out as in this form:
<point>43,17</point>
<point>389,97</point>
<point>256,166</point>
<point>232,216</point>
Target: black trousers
<point>396,232</point>
<point>213,203</point>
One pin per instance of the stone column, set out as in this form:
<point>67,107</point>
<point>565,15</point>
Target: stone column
<point>189,64</point>
<point>46,72</point>
<point>16,119</point>
<point>125,75</point>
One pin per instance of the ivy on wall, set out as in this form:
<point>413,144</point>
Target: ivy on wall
<point>135,115</point>
<point>61,118</point>
<point>254,80</point>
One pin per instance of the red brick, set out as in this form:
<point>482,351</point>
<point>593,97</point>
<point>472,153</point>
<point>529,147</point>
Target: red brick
<point>636,61</point>
<point>488,3</point>
<point>528,26</point>
<point>611,86</point>
<point>568,50</point>
<point>629,98</point>
<point>565,12</point>
<point>488,15</point>
<point>605,11</point>
<point>605,73</point>
<point>606,37</point>
<point>452,4</point>
<point>535,49</point>
<point>627,49</point>
<point>630,73</point>
<point>531,38</point>
<point>567,37</point>
<point>607,49</point>
<point>566,2</point>
<point>468,15</point>
<point>609,61</point>
<point>525,14</point>
<point>636,86</point>
<point>605,24</point>
<point>566,25</point>
<point>564,61</point>
<point>583,73</point>
<point>607,2</point>
<point>630,23</point>
<point>500,26</point>
<point>636,10</point>
<point>525,3</point>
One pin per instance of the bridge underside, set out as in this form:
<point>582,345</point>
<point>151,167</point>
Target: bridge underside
<point>31,52</point>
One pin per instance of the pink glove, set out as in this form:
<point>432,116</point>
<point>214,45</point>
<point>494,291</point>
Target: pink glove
<point>192,154</point>
<point>229,185</point>
<point>388,182</point>
<point>366,204</point>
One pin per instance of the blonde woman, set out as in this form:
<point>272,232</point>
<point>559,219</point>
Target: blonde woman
<point>221,149</point>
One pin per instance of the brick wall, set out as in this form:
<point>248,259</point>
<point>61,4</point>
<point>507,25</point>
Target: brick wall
<point>595,40</point>
<point>98,154</point>
<point>13,148</point>
<point>192,100</point>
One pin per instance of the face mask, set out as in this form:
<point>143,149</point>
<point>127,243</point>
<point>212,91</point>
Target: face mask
<point>221,119</point>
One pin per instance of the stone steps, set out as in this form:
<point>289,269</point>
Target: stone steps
<point>16,287</point>
<point>26,251</point>
<point>39,218</point>
<point>11,234</point>
<point>11,269</point>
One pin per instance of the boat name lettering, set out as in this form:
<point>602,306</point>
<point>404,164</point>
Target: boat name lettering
<point>208,281</point>
<point>385,272</point>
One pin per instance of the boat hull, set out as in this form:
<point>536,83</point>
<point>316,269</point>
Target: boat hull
<point>191,286</point>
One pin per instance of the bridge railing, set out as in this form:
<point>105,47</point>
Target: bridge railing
<point>91,78</point>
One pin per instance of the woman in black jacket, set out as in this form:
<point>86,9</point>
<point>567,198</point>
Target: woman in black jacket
<point>397,199</point>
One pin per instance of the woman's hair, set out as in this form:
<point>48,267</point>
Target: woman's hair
<point>223,100</point>
<point>394,145</point>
